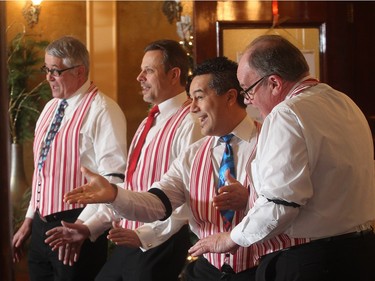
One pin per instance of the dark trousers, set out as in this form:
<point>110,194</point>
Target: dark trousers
<point>44,264</point>
<point>162,263</point>
<point>202,270</point>
<point>351,259</point>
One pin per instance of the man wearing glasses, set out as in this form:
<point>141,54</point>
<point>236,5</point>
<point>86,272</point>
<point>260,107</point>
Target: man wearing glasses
<point>202,176</point>
<point>79,126</point>
<point>313,172</point>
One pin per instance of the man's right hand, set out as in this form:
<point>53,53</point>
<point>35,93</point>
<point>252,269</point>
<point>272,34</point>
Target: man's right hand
<point>20,237</point>
<point>68,240</point>
<point>98,190</point>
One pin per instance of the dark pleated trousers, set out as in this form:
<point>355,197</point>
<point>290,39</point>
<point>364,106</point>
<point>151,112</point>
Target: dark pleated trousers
<point>44,264</point>
<point>162,263</point>
<point>351,259</point>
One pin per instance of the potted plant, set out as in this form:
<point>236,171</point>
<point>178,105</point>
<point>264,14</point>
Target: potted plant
<point>28,92</point>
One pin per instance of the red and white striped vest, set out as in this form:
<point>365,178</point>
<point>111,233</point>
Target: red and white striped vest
<point>209,220</point>
<point>156,158</point>
<point>61,171</point>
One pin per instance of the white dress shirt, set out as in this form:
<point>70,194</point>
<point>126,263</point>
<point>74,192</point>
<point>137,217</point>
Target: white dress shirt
<point>316,150</point>
<point>156,233</point>
<point>175,183</point>
<point>102,139</point>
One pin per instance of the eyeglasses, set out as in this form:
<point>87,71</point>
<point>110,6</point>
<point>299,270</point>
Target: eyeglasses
<point>246,93</point>
<point>55,72</point>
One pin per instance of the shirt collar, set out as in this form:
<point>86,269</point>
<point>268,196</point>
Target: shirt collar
<point>79,93</point>
<point>170,104</point>
<point>297,84</point>
<point>244,131</point>
<point>77,96</point>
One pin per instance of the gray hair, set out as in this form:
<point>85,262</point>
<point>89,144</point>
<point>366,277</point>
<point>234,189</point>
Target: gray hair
<point>72,51</point>
<point>273,54</point>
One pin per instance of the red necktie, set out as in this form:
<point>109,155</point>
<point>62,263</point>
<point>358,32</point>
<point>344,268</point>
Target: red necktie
<point>137,149</point>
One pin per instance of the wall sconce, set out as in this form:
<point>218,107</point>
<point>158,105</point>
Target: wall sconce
<point>31,12</point>
<point>172,10</point>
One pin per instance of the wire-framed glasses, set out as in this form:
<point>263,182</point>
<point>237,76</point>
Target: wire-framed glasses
<point>55,72</point>
<point>247,93</point>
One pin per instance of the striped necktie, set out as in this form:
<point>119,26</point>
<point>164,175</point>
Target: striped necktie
<point>52,132</point>
<point>227,162</point>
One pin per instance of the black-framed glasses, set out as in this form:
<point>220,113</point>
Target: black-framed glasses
<point>55,72</point>
<point>246,93</point>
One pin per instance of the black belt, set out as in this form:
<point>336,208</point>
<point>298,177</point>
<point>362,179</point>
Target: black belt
<point>350,235</point>
<point>60,215</point>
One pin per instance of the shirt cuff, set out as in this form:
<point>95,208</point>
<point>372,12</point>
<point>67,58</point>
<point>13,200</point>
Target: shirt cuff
<point>30,212</point>
<point>97,226</point>
<point>147,236</point>
<point>237,237</point>
<point>89,211</point>
<point>99,222</point>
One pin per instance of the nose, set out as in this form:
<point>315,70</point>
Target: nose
<point>247,100</point>
<point>49,77</point>
<point>141,77</point>
<point>193,106</point>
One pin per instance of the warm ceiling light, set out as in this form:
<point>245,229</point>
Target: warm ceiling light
<point>36,2</point>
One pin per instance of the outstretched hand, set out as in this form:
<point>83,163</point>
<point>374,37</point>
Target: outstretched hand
<point>67,233</point>
<point>68,240</point>
<point>233,196</point>
<point>98,190</point>
<point>217,243</point>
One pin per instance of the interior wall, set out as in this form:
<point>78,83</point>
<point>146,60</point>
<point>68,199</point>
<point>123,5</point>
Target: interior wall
<point>57,18</point>
<point>101,26</point>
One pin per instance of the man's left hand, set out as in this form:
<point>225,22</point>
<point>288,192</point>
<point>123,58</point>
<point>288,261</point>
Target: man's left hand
<point>217,243</point>
<point>233,196</point>
<point>124,237</point>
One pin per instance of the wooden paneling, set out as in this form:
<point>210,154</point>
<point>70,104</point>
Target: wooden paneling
<point>5,230</point>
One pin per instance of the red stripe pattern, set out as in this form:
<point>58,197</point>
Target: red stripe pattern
<point>61,171</point>
<point>209,220</point>
<point>156,158</point>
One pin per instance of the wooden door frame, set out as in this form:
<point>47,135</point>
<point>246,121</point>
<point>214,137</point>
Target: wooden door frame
<point>6,231</point>
<point>321,26</point>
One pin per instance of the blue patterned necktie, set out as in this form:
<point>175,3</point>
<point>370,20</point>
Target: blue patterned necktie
<point>227,162</point>
<point>52,132</point>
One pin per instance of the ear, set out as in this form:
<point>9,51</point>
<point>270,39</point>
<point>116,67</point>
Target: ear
<point>81,70</point>
<point>175,73</point>
<point>232,96</point>
<point>275,83</point>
